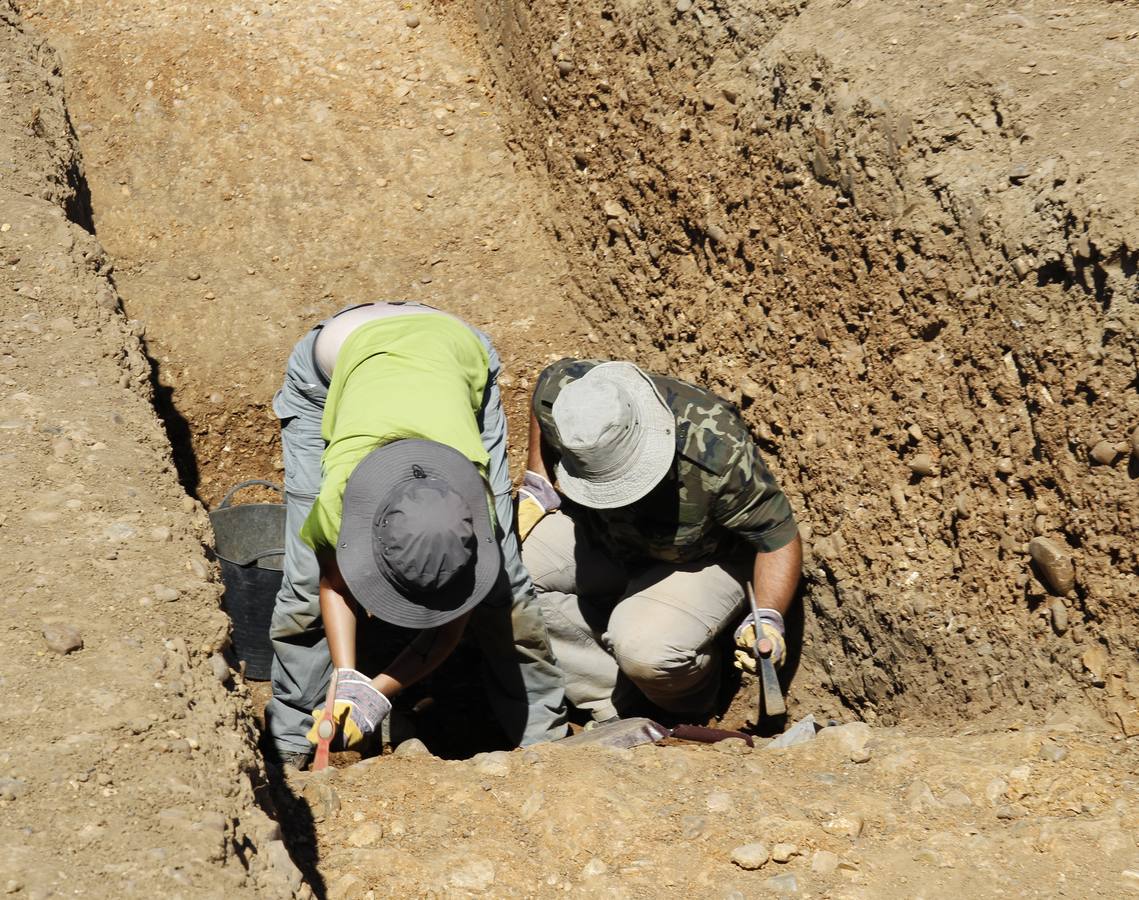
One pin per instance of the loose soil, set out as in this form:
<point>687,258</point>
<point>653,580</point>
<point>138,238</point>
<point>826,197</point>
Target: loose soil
<point>901,238</point>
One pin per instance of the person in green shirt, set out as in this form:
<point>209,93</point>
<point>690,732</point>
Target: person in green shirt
<point>398,506</point>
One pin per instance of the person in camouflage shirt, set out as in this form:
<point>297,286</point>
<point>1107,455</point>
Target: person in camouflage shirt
<point>669,511</point>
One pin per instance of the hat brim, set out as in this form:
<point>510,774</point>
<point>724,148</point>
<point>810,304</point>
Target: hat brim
<point>651,458</point>
<point>365,498</point>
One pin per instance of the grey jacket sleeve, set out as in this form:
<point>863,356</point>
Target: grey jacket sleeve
<point>492,423</point>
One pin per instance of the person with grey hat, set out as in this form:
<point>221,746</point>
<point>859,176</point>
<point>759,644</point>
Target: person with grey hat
<point>668,512</point>
<point>398,507</point>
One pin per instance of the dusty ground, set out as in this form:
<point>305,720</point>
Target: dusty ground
<point>257,168</point>
<point>861,812</point>
<point>889,232</point>
<point>115,723</point>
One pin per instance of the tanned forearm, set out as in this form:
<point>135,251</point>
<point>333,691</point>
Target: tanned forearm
<point>534,458</point>
<point>776,576</point>
<point>338,612</point>
<point>418,660</point>
<point>421,657</point>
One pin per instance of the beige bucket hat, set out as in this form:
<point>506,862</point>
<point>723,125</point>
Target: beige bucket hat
<point>617,436</point>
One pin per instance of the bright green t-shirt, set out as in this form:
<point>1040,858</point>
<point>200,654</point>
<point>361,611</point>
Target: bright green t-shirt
<point>420,376</point>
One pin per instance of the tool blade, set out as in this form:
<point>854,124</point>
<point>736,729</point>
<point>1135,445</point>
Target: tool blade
<point>623,733</point>
<point>770,693</point>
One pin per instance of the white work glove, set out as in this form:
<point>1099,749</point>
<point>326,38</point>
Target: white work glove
<point>771,625</point>
<point>536,499</point>
<point>358,712</point>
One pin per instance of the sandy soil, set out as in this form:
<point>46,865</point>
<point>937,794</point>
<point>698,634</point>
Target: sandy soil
<point>889,232</point>
<point>120,711</point>
<point>257,168</point>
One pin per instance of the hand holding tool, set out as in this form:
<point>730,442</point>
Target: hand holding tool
<point>357,709</point>
<point>536,498</point>
<point>771,692</point>
<point>325,726</point>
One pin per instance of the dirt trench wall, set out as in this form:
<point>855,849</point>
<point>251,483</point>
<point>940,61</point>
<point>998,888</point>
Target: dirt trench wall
<point>923,299</point>
<point>127,763</point>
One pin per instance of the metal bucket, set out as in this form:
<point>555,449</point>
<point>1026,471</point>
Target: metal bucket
<point>249,541</point>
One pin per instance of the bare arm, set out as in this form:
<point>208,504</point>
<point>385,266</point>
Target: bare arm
<point>421,657</point>
<point>418,660</point>
<point>338,610</point>
<point>535,460</point>
<point>776,576</point>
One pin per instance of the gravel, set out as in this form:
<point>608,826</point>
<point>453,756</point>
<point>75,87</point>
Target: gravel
<point>495,764</point>
<point>750,856</point>
<point>62,639</point>
<point>1055,565</point>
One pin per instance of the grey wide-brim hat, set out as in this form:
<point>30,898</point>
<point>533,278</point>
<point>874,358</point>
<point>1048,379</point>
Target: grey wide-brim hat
<point>616,434</point>
<point>417,546</point>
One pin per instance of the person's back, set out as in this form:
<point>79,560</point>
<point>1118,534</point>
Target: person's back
<point>398,504</point>
<point>397,377</point>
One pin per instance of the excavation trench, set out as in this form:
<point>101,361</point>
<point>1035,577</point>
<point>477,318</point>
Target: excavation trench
<point>720,203</point>
<point>925,306</point>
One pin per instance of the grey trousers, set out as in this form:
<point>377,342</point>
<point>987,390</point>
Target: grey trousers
<point>525,687</point>
<point>618,629</point>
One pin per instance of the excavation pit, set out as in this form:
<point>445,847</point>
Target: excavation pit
<point>873,238</point>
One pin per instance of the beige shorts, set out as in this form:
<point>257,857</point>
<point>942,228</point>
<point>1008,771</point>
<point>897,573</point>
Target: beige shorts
<point>616,626</point>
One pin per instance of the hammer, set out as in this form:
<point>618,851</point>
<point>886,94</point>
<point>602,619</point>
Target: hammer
<point>326,727</point>
<point>770,691</point>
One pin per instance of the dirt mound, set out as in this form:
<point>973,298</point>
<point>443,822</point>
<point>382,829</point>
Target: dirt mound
<point>903,240</point>
<point>252,174</point>
<point>128,756</point>
<point>858,813</point>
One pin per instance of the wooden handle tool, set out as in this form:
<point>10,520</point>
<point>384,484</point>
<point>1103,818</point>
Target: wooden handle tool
<point>326,727</point>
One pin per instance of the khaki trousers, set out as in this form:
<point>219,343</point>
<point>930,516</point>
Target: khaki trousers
<point>615,626</point>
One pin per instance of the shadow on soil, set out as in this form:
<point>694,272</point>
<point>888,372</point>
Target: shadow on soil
<point>178,431</point>
<point>295,817</point>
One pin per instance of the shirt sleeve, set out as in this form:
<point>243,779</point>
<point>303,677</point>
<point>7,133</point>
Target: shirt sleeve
<point>321,530</point>
<point>322,526</point>
<point>751,505</point>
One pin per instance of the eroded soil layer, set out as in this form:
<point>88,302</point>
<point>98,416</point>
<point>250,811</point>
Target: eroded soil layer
<point>259,166</point>
<point>859,812</point>
<point>127,762</point>
<point>903,238</point>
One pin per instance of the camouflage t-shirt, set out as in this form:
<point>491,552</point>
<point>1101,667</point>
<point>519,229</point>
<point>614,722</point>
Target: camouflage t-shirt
<point>719,498</point>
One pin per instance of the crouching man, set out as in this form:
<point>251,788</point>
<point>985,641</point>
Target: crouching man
<point>670,511</point>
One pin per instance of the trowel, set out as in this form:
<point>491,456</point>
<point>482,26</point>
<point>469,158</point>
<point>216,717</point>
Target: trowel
<point>770,691</point>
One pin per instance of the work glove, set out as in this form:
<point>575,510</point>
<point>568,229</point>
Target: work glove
<point>358,711</point>
<point>536,498</point>
<point>771,625</point>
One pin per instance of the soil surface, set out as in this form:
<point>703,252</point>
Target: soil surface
<point>256,168</point>
<point>900,237</point>
<point>127,763</point>
<point>856,813</point>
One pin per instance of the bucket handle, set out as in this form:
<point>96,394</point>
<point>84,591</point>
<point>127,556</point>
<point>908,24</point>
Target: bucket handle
<point>244,484</point>
<point>260,554</point>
